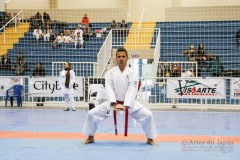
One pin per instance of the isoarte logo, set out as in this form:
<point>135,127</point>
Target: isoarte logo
<point>193,87</point>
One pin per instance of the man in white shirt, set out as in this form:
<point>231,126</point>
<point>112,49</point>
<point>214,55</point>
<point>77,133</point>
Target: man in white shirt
<point>121,84</point>
<point>37,33</point>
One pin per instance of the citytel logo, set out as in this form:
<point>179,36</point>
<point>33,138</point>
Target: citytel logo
<point>194,88</point>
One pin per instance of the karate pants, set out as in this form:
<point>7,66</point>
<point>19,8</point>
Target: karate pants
<point>141,115</point>
<point>69,101</point>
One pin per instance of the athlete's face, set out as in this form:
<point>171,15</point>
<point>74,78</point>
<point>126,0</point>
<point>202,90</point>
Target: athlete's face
<point>122,59</point>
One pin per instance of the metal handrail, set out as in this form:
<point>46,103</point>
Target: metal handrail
<point>4,27</point>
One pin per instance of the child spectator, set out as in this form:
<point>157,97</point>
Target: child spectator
<point>78,41</point>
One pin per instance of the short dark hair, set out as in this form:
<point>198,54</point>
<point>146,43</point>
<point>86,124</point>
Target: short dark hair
<point>122,49</point>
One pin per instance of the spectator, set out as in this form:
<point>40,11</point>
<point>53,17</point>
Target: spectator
<point>47,34</point>
<point>113,25</point>
<point>78,41</point>
<point>58,41</point>
<point>38,19</point>
<point>67,38</point>
<point>123,24</point>
<point>18,19</point>
<point>201,55</point>
<point>87,33</point>
<point>21,64</point>
<point>191,54</point>
<point>37,33</point>
<point>209,59</point>
<point>46,19</point>
<point>6,62</point>
<point>175,72</point>
<point>85,21</point>
<point>39,71</point>
<point>78,30</point>
<point>217,67</point>
<point>163,70</point>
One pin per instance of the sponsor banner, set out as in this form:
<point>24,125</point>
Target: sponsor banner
<point>50,87</point>
<point>8,82</point>
<point>196,88</point>
<point>235,88</point>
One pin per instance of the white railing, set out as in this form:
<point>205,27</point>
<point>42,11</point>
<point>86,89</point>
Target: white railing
<point>156,54</point>
<point>104,55</point>
<point>141,19</point>
<point>15,19</point>
<point>80,68</point>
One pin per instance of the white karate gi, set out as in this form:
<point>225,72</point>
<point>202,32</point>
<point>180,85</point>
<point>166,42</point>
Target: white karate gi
<point>121,86</point>
<point>37,33</point>
<point>67,92</point>
<point>47,35</point>
<point>78,41</point>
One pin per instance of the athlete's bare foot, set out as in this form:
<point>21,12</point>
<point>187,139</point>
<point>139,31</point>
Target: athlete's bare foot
<point>90,139</point>
<point>151,141</point>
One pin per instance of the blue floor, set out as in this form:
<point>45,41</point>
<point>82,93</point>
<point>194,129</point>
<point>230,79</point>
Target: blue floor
<point>167,123</point>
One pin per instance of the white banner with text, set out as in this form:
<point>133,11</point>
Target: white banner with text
<point>196,88</point>
<point>49,87</point>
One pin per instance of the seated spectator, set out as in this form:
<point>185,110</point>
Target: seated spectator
<point>21,64</point>
<point>87,33</point>
<point>47,34</point>
<point>6,62</point>
<point>38,19</point>
<point>39,71</point>
<point>217,68</point>
<point>191,53</point>
<point>123,24</point>
<point>37,33</point>
<point>58,41</point>
<point>85,21</point>
<point>201,55</point>
<point>175,72</point>
<point>209,59</point>
<point>163,70</point>
<point>67,38</point>
<point>78,41</point>
<point>46,19</point>
<point>18,19</point>
<point>238,38</point>
<point>78,30</point>
<point>113,25</point>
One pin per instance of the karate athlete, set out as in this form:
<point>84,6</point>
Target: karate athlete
<point>121,84</point>
<point>66,80</point>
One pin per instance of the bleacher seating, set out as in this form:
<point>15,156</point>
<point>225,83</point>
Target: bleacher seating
<point>43,52</point>
<point>218,37</point>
